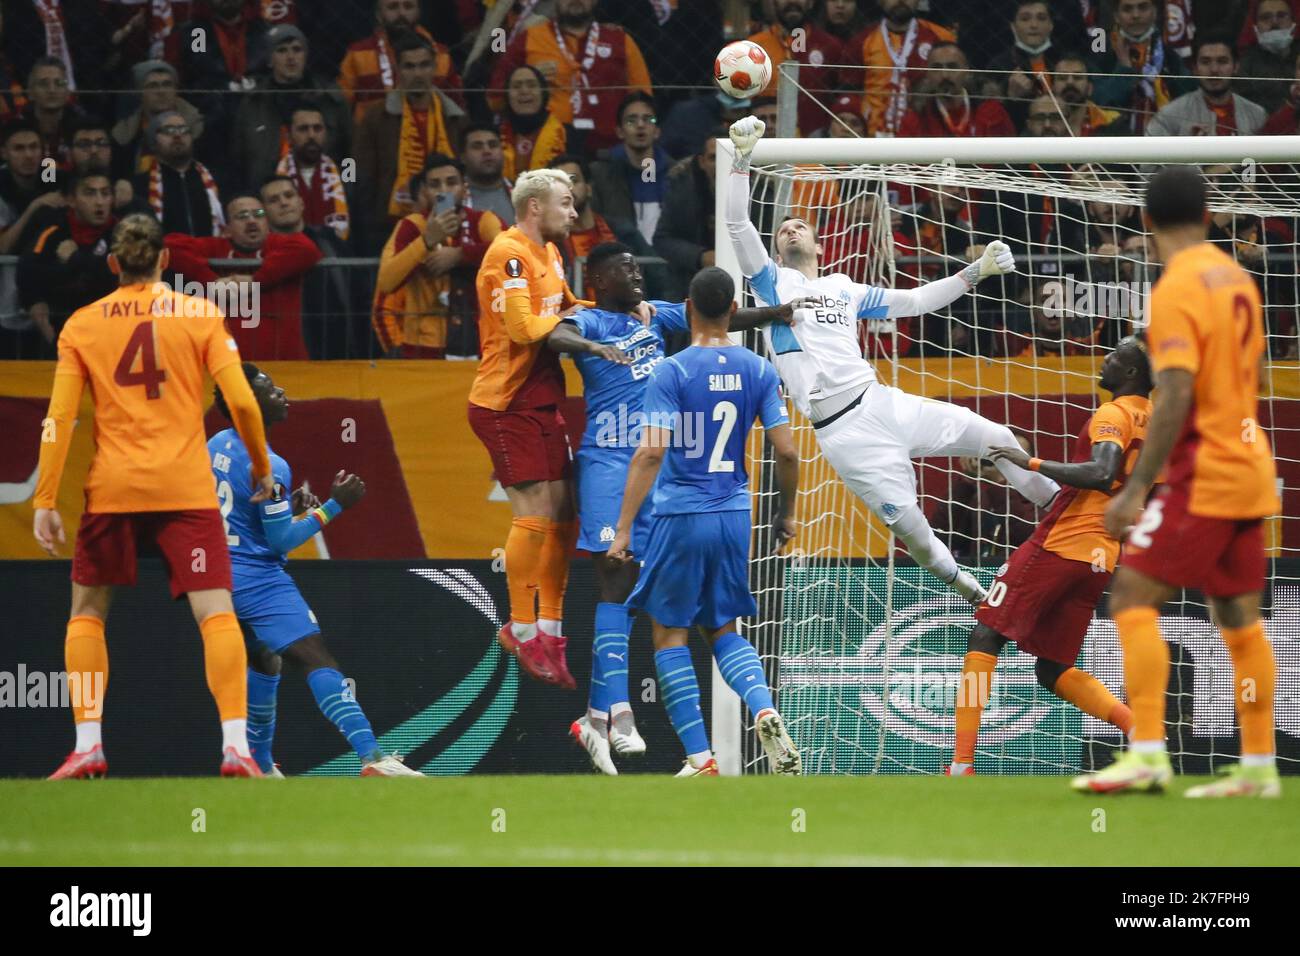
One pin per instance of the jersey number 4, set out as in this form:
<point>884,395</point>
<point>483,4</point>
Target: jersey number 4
<point>141,343</point>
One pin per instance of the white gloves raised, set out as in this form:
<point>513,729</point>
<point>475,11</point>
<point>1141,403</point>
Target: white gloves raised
<point>745,133</point>
<point>996,260</point>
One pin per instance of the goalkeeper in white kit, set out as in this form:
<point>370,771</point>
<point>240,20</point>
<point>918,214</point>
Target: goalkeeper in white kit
<point>868,431</point>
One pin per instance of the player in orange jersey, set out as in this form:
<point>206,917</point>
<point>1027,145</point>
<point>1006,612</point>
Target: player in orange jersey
<point>1205,527</point>
<point>514,410</point>
<point>1044,596</point>
<point>143,351</point>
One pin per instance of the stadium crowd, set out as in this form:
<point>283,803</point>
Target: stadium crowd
<point>282,132</point>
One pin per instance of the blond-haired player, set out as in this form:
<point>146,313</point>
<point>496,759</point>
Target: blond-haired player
<point>514,409</point>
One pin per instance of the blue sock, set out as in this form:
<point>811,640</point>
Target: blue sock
<point>609,653</point>
<point>262,689</point>
<point>743,671</point>
<point>598,696</point>
<point>336,702</point>
<point>680,692</point>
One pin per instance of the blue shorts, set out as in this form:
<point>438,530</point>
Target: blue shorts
<point>270,605</point>
<point>602,476</point>
<point>696,570</point>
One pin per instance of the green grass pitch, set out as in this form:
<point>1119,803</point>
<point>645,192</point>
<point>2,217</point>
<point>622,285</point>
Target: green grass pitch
<point>558,820</point>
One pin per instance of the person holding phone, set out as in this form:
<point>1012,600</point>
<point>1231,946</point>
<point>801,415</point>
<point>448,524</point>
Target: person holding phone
<point>425,305</point>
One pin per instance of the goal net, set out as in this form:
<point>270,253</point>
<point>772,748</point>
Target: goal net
<point>863,648</point>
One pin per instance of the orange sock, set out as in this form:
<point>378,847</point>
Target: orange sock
<point>1255,674</point>
<point>1146,671</point>
<point>972,698</point>
<point>85,655</point>
<point>555,569</point>
<point>525,546</point>
<point>1091,696</point>
<point>226,663</point>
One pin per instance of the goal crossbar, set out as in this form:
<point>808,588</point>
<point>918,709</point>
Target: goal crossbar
<point>1016,149</point>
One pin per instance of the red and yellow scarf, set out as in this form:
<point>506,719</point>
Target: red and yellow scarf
<point>209,187</point>
<point>326,186</point>
<point>413,145</point>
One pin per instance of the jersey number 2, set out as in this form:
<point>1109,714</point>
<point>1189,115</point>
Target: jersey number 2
<point>150,375</point>
<point>226,496</point>
<point>726,413</point>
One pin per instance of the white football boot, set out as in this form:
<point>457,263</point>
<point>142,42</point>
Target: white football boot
<point>596,745</point>
<point>782,755</point>
<point>630,744</point>
<point>390,766</point>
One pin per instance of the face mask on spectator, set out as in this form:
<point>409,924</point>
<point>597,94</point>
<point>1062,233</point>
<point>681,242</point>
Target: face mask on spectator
<point>1139,38</point>
<point>1031,50</point>
<point>1277,42</point>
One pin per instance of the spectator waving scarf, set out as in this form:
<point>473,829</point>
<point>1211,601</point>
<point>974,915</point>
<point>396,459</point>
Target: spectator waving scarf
<point>162,20</point>
<point>209,187</point>
<point>56,39</point>
<point>326,188</point>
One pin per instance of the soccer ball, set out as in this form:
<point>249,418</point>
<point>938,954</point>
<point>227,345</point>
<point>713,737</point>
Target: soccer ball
<point>742,69</point>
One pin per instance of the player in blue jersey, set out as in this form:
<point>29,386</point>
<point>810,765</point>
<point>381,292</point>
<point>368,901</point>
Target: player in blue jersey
<point>276,620</point>
<point>700,406</point>
<point>614,394</point>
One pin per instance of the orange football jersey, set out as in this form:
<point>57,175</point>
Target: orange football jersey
<point>1206,318</point>
<point>519,278</point>
<point>144,354</point>
<point>1074,527</point>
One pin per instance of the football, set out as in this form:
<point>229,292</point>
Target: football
<point>742,69</point>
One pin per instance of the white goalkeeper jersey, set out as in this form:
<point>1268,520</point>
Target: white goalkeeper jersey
<point>819,356</point>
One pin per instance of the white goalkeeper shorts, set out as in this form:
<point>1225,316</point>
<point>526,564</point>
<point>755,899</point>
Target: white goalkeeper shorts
<point>871,447</point>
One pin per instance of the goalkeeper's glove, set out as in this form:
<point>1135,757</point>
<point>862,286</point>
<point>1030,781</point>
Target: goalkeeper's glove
<point>996,260</point>
<point>745,132</point>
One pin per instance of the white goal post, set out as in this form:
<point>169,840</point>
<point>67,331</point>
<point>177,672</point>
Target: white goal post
<point>854,184</point>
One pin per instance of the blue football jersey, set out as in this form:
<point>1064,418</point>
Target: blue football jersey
<point>615,394</point>
<point>709,398</point>
<point>232,469</point>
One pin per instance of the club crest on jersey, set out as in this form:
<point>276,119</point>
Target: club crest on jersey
<point>606,534</point>
<point>514,268</point>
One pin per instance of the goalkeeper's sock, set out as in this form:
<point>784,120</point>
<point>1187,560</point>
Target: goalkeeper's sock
<point>1255,674</point>
<point>742,670</point>
<point>262,690</point>
<point>609,652</point>
<point>524,547</point>
<point>553,577</point>
<point>1091,696</point>
<point>681,696</point>
<point>336,701</point>
<point>972,697</point>
<point>1146,674</point>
